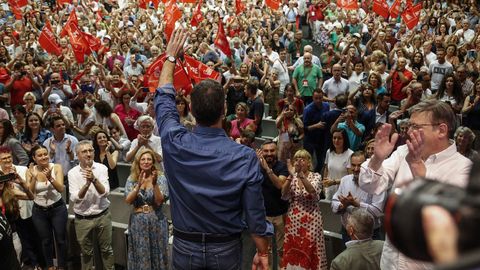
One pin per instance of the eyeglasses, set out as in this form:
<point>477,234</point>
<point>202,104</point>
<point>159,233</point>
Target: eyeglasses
<point>414,126</point>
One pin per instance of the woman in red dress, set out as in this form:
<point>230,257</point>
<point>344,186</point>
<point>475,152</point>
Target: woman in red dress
<point>304,246</point>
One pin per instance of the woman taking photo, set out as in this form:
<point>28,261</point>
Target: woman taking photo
<point>304,246</point>
<point>107,155</point>
<point>337,160</point>
<point>290,98</point>
<point>35,133</point>
<point>290,130</point>
<point>241,121</point>
<point>45,181</point>
<point>7,138</point>
<point>146,190</point>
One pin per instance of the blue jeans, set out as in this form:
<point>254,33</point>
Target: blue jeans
<point>188,255</point>
<point>48,221</point>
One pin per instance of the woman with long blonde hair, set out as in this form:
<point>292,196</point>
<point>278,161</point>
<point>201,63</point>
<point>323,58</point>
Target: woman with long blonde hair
<point>147,190</point>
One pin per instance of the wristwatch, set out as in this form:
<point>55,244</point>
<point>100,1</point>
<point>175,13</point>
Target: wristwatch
<point>171,59</point>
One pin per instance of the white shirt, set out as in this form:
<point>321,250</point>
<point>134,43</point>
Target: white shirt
<point>371,202</point>
<point>45,192</point>
<point>93,203</point>
<point>332,88</point>
<point>448,166</point>
<point>154,141</point>
<point>282,71</point>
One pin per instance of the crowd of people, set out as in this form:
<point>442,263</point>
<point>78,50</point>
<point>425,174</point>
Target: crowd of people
<point>362,103</point>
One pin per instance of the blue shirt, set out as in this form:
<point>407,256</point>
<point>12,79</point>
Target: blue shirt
<point>215,184</point>
<point>352,137</point>
<point>312,115</point>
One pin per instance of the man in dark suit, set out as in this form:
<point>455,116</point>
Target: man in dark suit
<point>331,116</point>
<point>362,252</point>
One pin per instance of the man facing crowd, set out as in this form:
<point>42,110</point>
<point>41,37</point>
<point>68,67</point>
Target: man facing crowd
<point>213,181</point>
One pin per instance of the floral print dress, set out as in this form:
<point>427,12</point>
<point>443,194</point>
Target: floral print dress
<point>148,232</point>
<point>304,246</point>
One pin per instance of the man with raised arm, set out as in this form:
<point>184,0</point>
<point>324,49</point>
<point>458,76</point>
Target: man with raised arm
<point>215,184</point>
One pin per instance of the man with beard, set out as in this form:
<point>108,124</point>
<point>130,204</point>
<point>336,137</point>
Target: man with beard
<point>307,78</point>
<point>349,196</point>
<point>274,174</point>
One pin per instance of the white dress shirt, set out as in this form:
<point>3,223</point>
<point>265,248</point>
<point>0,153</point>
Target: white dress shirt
<point>447,166</point>
<point>154,142</point>
<point>93,203</point>
<point>371,202</point>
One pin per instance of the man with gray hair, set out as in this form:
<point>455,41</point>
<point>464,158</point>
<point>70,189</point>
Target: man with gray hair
<point>428,152</point>
<point>89,187</point>
<point>362,252</point>
<point>299,62</point>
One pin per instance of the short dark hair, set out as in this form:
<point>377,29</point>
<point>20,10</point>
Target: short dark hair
<point>77,104</point>
<point>268,142</point>
<point>319,91</point>
<point>341,101</point>
<point>358,153</point>
<point>208,102</point>
<point>252,86</point>
<point>103,108</point>
<point>381,96</point>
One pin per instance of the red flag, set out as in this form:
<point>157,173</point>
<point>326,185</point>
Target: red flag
<point>79,45</point>
<point>395,9</point>
<point>181,81</point>
<point>72,22</point>
<point>189,1</point>
<point>18,3</point>
<point>197,16</point>
<point>366,5</point>
<point>347,4</point>
<point>142,4</point>
<point>93,42</point>
<point>47,40</point>
<point>273,4</point>
<point>239,7</point>
<point>155,3</point>
<point>198,71</point>
<point>411,15</point>
<point>221,41</point>
<point>61,2</point>
<point>172,14</point>
<point>381,8</point>
<point>17,12</point>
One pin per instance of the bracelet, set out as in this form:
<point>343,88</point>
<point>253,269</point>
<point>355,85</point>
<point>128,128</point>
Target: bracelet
<point>262,254</point>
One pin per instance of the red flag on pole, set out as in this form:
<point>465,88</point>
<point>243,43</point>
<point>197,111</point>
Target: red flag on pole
<point>181,81</point>
<point>411,15</point>
<point>198,71</point>
<point>395,9</point>
<point>347,4</point>
<point>239,7</point>
<point>221,41</point>
<point>72,22</point>
<point>142,4</point>
<point>273,4</point>
<point>47,40</point>
<point>381,8</point>
<point>93,42</point>
<point>18,3</point>
<point>197,16</point>
<point>172,14</point>
<point>79,45</point>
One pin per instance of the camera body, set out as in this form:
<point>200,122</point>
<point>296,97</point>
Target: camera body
<point>403,214</point>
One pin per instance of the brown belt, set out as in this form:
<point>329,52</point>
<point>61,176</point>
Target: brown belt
<point>144,209</point>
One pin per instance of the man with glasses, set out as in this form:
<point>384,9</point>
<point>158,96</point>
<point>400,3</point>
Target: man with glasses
<point>89,187</point>
<point>429,152</point>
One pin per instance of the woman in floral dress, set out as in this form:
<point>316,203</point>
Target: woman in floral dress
<point>304,246</point>
<point>148,230</point>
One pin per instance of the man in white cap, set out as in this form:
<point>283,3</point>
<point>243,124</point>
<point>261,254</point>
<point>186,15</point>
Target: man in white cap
<point>56,108</point>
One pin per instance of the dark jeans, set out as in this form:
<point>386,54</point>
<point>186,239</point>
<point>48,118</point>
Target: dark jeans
<point>48,221</point>
<point>219,256</point>
<point>30,241</point>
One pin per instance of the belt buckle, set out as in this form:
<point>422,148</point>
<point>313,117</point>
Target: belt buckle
<point>146,209</point>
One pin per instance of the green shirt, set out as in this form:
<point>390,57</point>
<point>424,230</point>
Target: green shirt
<point>311,75</point>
